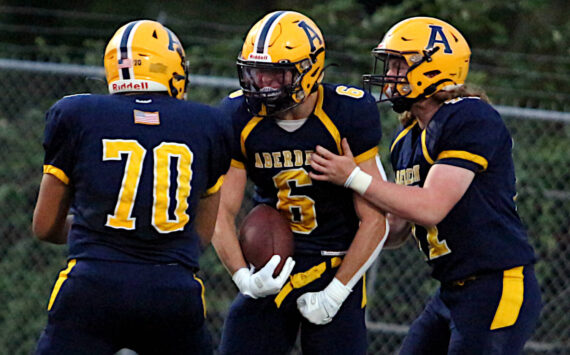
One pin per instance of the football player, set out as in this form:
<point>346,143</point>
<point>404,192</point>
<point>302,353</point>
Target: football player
<point>455,191</point>
<point>281,113</point>
<point>141,170</point>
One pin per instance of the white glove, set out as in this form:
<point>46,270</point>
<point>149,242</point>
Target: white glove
<point>320,307</point>
<point>262,283</point>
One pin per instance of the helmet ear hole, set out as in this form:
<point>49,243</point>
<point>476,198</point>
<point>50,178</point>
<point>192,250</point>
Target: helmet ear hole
<point>305,65</point>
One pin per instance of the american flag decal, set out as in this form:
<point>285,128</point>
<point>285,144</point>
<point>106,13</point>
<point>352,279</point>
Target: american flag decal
<point>150,118</point>
<point>125,63</point>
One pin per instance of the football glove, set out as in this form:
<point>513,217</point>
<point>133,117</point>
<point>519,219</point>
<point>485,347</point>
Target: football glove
<point>320,307</point>
<point>262,283</point>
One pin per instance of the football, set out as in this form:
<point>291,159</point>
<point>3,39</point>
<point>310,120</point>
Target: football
<point>264,232</point>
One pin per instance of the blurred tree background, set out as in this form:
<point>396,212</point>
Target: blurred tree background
<point>508,38</point>
<point>521,57</point>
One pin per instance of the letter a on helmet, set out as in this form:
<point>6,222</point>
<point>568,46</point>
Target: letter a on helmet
<point>288,46</point>
<point>435,52</point>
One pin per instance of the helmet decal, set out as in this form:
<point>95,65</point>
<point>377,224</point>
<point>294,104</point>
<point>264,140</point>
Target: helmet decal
<point>419,57</point>
<point>433,38</point>
<point>124,54</point>
<point>311,35</point>
<point>171,39</point>
<point>264,37</point>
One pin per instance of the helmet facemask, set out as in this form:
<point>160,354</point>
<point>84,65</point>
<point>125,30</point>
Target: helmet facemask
<point>392,81</point>
<point>270,88</point>
<point>436,54</point>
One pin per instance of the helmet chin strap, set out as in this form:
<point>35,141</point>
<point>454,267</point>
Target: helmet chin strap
<point>402,104</point>
<point>272,108</point>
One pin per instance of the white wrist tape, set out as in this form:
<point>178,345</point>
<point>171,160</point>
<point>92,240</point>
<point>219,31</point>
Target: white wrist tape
<point>358,181</point>
<point>337,291</point>
<point>351,176</point>
<point>240,275</point>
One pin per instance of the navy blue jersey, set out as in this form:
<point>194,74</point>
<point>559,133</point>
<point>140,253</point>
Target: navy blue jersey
<point>321,215</point>
<point>137,166</point>
<point>482,232</point>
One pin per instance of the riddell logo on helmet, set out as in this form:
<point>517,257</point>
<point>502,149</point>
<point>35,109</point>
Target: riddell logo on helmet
<point>258,56</point>
<point>130,86</point>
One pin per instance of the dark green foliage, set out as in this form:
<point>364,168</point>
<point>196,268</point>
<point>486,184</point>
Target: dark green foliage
<point>520,56</point>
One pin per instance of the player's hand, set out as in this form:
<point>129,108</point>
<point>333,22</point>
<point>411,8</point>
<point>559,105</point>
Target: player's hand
<point>262,283</point>
<point>320,307</point>
<point>331,167</point>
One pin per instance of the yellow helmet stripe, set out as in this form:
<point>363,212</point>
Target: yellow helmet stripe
<point>124,51</point>
<point>263,38</point>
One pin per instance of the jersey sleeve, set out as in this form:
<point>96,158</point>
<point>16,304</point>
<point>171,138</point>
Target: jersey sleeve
<point>220,155</point>
<point>229,107</point>
<point>395,145</point>
<point>59,143</point>
<point>470,137</point>
<point>365,131</point>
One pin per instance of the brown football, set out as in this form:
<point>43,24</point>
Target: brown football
<point>263,233</point>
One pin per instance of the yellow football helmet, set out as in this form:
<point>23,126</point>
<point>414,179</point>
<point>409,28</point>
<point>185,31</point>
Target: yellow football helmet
<point>146,56</point>
<point>281,62</point>
<point>435,52</point>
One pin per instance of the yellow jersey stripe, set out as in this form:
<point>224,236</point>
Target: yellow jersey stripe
<point>460,154</point>
<point>60,280</point>
<point>424,148</point>
<point>364,300</point>
<point>57,172</point>
<point>369,154</point>
<point>212,190</point>
<point>203,293</point>
<point>402,134</point>
<point>511,299</point>
<point>325,119</point>
<point>247,130</point>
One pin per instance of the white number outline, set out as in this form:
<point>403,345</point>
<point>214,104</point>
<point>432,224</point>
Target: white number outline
<point>113,149</point>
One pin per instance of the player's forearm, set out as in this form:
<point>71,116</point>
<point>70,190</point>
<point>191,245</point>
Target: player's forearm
<point>227,247</point>
<point>411,203</point>
<point>51,222</point>
<point>370,236</point>
<point>363,251</point>
<point>206,217</point>
<point>55,235</point>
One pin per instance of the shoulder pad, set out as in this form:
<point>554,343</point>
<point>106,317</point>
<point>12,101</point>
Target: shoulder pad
<point>84,94</point>
<point>459,99</point>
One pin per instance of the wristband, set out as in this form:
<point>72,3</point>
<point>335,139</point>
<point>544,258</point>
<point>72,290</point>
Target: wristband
<point>337,291</point>
<point>240,275</point>
<point>358,181</point>
<point>351,176</point>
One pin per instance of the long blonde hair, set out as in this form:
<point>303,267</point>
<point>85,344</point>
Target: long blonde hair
<point>444,95</point>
